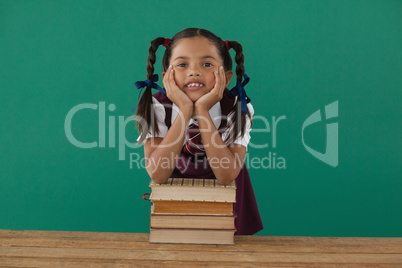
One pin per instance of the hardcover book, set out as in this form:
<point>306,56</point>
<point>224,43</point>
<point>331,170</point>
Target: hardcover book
<point>184,189</point>
<point>178,221</point>
<point>189,236</point>
<point>192,207</point>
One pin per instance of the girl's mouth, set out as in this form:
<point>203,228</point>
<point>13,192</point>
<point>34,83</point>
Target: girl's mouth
<point>194,86</point>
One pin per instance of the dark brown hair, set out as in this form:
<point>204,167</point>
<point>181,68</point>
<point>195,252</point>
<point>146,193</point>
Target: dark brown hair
<point>144,106</point>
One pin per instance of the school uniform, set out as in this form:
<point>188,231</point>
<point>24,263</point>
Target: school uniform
<point>248,219</point>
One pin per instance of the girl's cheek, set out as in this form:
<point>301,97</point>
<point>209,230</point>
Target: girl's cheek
<point>176,77</point>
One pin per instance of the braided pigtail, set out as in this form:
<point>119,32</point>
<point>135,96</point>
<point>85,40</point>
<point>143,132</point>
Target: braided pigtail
<point>239,118</point>
<point>144,106</point>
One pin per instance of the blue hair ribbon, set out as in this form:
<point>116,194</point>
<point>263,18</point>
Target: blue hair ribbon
<point>239,90</point>
<point>148,83</point>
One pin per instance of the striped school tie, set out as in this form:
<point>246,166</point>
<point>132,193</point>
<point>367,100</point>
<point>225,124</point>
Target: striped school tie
<point>194,144</point>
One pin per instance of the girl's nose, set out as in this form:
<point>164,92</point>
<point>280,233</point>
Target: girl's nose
<point>194,71</point>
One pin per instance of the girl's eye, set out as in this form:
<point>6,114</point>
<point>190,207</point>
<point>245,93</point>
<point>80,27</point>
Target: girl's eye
<point>207,64</point>
<point>181,65</point>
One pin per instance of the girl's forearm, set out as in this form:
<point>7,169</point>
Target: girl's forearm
<point>224,163</point>
<point>163,158</point>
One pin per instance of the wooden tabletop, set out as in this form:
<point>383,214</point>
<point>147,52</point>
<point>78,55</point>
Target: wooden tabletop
<point>93,249</point>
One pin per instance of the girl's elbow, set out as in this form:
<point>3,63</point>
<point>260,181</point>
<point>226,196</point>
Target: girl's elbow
<point>158,178</point>
<point>226,179</point>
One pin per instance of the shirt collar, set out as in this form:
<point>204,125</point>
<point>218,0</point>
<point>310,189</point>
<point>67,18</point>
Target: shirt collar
<point>215,112</point>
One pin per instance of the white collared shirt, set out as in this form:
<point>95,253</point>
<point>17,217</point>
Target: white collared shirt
<point>215,112</point>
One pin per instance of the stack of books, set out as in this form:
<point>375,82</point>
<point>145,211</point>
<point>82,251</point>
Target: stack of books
<point>192,211</point>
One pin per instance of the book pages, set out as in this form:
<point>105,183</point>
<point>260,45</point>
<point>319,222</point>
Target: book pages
<point>187,182</point>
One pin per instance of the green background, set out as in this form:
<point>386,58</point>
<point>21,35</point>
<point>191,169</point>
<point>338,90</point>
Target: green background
<point>300,55</point>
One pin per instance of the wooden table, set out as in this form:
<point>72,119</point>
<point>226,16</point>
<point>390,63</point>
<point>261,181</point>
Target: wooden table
<point>90,249</point>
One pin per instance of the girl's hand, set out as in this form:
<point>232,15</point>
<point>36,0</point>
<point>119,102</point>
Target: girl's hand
<point>216,94</point>
<point>174,93</point>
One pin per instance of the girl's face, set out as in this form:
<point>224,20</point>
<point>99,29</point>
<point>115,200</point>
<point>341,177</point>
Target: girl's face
<point>194,61</point>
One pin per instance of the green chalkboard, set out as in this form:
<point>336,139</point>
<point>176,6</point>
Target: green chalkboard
<point>325,84</point>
